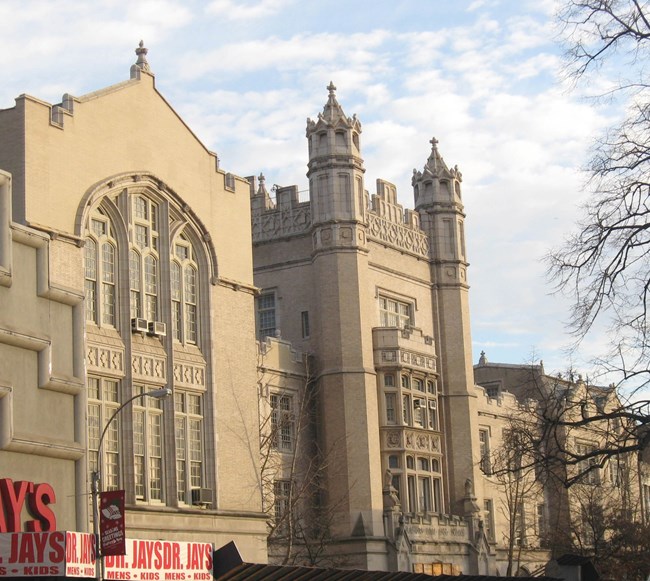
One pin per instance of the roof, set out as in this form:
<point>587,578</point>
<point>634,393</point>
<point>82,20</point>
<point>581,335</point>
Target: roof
<point>255,572</point>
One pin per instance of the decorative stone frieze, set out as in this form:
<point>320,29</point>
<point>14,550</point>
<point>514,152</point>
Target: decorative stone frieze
<point>107,360</point>
<point>418,360</point>
<point>189,375</point>
<point>148,367</point>
<point>280,223</point>
<point>400,236</point>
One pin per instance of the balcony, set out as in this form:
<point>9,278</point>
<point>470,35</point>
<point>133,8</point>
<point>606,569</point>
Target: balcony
<point>409,347</point>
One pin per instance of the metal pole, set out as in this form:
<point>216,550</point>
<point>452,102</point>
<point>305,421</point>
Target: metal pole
<point>96,476</point>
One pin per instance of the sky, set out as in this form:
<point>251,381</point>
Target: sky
<point>484,77</point>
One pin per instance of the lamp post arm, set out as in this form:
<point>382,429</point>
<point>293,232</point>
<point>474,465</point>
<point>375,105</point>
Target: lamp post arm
<point>96,475</point>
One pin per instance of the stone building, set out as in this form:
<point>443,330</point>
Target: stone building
<point>318,351</point>
<point>156,236</point>
<point>378,295</point>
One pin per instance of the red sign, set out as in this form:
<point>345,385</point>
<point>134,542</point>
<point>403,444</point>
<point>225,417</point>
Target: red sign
<point>14,496</point>
<point>60,553</point>
<point>111,523</point>
<point>49,554</point>
<point>161,561</point>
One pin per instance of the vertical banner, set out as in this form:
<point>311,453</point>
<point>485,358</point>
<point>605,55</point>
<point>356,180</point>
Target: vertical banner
<point>111,523</point>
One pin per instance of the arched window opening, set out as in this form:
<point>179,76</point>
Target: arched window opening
<point>184,290</point>
<point>100,271</point>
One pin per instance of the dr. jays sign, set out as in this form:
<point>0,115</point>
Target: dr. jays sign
<point>37,498</point>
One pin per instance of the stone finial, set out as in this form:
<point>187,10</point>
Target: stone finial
<point>482,359</point>
<point>262,187</point>
<point>331,88</point>
<point>434,143</point>
<point>142,63</point>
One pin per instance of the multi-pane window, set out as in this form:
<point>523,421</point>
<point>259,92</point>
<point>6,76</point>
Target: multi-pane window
<point>488,508</point>
<point>406,410</point>
<point>541,520</point>
<point>281,499</point>
<point>266,320</point>
<point>124,273</point>
<point>419,401</point>
<point>184,291</point>
<point>147,446</point>
<point>520,525</point>
<point>99,271</point>
<point>144,275</point>
<point>433,414</point>
<point>419,412</point>
<point>484,450</point>
<point>391,414</point>
<point>135,275</point>
<point>282,423</point>
<point>188,423</point>
<point>588,467</point>
<point>394,313</point>
<point>423,484</point>
<point>103,401</point>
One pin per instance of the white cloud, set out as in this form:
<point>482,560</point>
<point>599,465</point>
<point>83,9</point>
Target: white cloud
<point>245,75</point>
<point>237,10</point>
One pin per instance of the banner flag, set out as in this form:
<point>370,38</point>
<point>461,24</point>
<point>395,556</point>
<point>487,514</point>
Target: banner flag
<point>111,523</point>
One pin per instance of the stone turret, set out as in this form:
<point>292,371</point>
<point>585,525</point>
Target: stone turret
<point>437,191</point>
<point>335,168</point>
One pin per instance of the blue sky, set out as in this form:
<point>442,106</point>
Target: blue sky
<point>482,76</point>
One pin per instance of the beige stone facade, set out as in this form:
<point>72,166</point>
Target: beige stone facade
<point>115,200</point>
<point>324,405</point>
<point>378,296</point>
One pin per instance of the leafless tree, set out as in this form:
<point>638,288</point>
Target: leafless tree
<point>605,264</point>
<point>570,429</point>
<point>300,513</point>
<point>584,451</point>
<point>514,475</point>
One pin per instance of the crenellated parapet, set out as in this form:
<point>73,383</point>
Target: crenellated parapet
<point>282,218</point>
<point>390,224</point>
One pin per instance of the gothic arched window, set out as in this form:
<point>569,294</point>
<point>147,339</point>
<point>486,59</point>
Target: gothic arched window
<point>99,270</point>
<point>143,258</point>
<point>184,291</point>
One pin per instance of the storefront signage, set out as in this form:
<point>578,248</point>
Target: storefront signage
<point>54,554</point>
<point>37,498</point>
<point>161,561</point>
<point>70,554</point>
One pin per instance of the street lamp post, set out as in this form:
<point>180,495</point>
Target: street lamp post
<point>96,475</point>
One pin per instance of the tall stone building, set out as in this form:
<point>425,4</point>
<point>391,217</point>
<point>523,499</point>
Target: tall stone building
<point>126,267</point>
<point>378,295</point>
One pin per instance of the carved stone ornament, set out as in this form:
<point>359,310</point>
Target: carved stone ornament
<point>392,439</point>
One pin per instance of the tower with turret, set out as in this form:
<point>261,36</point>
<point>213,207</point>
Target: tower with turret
<point>377,295</point>
<point>438,200</point>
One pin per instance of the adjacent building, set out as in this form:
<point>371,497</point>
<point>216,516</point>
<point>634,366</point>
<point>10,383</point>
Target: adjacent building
<point>126,266</point>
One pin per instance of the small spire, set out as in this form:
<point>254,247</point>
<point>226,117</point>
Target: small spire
<point>141,51</point>
<point>262,187</point>
<point>332,108</point>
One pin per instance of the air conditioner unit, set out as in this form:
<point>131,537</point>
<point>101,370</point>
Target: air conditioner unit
<point>139,325</point>
<point>157,328</point>
<point>202,496</point>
